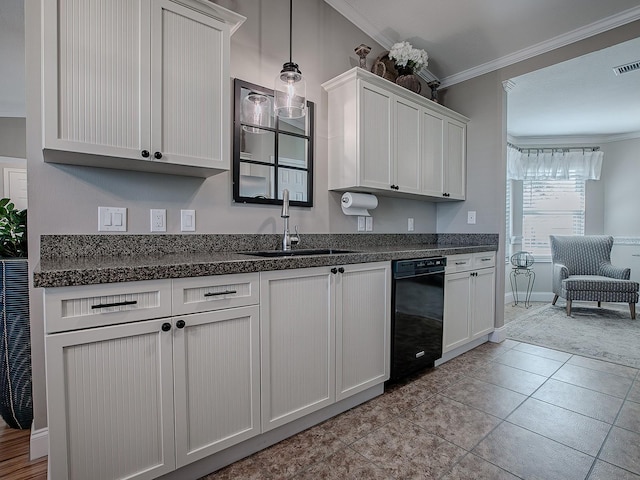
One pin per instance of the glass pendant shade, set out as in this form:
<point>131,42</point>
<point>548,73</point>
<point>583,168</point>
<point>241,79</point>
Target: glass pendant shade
<point>290,92</point>
<point>290,88</point>
<point>256,109</point>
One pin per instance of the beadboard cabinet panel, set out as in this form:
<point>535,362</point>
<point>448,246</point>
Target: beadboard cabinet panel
<point>138,84</point>
<point>297,344</point>
<point>110,395</point>
<point>376,141</point>
<point>217,381</point>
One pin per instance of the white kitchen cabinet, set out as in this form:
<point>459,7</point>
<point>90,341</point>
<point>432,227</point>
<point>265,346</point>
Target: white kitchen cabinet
<point>325,336</point>
<point>469,294</point>
<point>110,402</point>
<point>388,140</point>
<point>297,343</point>
<point>217,381</point>
<point>112,389</point>
<point>138,85</point>
<point>363,325</point>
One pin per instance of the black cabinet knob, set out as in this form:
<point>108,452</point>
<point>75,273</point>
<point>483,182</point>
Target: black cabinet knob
<point>166,327</point>
<point>157,155</point>
<point>334,270</point>
<point>180,324</point>
<point>341,270</point>
<point>145,153</point>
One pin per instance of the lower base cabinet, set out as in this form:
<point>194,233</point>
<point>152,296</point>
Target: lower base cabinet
<point>241,355</point>
<point>139,400</point>
<point>325,336</point>
<point>469,296</point>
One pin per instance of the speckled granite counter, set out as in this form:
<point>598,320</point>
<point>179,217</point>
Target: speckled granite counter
<point>68,260</point>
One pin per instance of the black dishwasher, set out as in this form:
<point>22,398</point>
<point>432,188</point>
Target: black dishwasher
<point>417,305</point>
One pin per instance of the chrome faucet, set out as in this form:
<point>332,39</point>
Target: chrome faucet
<point>287,239</point>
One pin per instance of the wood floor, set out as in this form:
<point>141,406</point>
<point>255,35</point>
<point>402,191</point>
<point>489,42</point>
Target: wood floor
<point>14,456</point>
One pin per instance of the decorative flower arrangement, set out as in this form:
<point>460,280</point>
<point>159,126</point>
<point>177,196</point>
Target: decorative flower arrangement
<point>407,57</point>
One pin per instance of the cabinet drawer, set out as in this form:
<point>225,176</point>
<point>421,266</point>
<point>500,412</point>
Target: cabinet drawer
<point>201,294</point>
<point>74,308</point>
<point>484,260</point>
<point>459,263</point>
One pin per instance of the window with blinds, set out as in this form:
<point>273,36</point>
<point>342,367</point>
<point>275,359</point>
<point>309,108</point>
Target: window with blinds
<point>551,207</point>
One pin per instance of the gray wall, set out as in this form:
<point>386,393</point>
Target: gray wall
<point>13,137</point>
<point>621,172</point>
<point>484,101</point>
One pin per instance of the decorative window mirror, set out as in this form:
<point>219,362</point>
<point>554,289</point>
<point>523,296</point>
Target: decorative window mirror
<point>270,153</point>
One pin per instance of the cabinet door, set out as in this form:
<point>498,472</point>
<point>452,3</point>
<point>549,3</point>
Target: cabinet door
<point>190,107</point>
<point>375,138</point>
<point>217,381</point>
<point>483,301</point>
<point>432,173</point>
<point>363,323</point>
<point>96,77</point>
<point>455,176</point>
<point>456,330</point>
<point>297,343</point>
<point>110,402</point>
<point>407,142</point>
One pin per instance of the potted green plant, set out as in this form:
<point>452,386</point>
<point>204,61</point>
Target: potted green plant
<point>16,406</point>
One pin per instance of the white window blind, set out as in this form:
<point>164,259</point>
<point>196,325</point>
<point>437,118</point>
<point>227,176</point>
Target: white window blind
<point>551,207</point>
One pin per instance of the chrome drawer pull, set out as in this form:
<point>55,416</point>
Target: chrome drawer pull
<point>214,294</point>
<point>115,304</point>
<point>460,263</point>
<point>486,259</point>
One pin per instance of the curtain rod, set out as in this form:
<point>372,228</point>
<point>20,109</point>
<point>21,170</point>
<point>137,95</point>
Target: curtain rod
<point>563,149</point>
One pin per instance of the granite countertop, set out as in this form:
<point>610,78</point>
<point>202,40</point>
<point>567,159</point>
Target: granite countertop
<point>61,271</point>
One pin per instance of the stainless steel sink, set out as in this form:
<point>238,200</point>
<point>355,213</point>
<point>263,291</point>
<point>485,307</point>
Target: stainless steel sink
<point>298,253</point>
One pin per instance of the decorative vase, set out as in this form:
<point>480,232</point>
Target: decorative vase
<point>16,405</point>
<point>407,79</point>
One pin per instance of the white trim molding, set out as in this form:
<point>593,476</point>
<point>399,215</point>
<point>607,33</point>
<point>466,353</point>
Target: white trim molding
<point>499,335</point>
<point>570,140</point>
<point>603,25</point>
<point>39,443</point>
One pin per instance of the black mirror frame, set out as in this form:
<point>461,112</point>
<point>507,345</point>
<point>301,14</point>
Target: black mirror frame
<point>237,135</point>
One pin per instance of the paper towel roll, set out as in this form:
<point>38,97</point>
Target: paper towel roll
<point>358,203</point>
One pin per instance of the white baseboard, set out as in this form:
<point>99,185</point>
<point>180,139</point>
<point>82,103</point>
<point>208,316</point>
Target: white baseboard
<point>535,297</point>
<point>39,443</point>
<point>498,335</point>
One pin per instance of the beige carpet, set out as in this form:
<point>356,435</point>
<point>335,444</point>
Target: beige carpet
<point>607,333</point>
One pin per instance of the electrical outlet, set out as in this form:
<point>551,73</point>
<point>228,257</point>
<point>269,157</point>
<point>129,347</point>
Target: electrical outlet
<point>158,220</point>
<point>361,224</point>
<point>410,224</point>
<point>112,219</point>
<point>369,224</point>
<point>188,220</point>
<point>471,217</point>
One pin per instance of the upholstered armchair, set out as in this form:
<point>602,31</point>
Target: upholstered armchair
<point>582,270</point>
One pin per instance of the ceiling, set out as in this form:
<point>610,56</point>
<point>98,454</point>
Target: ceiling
<point>467,38</point>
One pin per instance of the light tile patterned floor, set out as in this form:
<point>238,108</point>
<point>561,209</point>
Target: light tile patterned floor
<point>500,411</point>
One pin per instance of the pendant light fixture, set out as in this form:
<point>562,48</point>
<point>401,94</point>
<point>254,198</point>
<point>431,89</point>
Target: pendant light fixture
<point>290,87</point>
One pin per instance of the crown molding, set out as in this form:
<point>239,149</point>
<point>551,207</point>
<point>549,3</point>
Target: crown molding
<point>603,25</point>
<point>351,14</point>
<point>587,31</point>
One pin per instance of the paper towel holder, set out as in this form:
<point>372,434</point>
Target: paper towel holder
<point>358,204</point>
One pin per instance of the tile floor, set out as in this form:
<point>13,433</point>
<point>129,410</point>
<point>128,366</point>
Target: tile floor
<point>500,411</point>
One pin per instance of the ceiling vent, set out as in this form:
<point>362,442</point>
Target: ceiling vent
<point>629,67</point>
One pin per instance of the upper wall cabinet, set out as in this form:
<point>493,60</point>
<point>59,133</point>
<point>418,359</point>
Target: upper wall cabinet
<point>138,84</point>
<point>388,140</point>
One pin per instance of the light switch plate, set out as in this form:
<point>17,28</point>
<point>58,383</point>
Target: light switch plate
<point>158,220</point>
<point>188,220</point>
<point>112,219</point>
<point>361,224</point>
<point>410,227</point>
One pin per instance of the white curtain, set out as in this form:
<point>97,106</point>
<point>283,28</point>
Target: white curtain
<point>553,164</point>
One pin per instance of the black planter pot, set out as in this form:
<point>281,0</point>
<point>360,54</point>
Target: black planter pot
<point>16,403</point>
